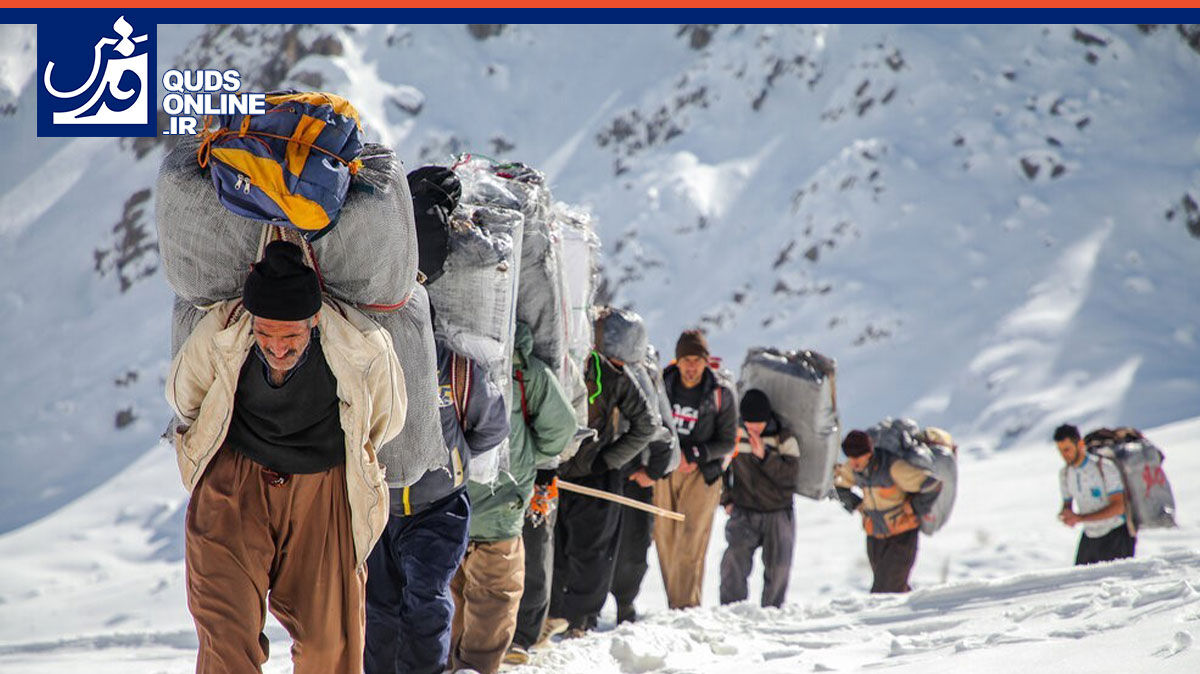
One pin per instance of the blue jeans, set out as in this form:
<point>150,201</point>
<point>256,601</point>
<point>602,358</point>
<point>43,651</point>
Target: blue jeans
<point>409,607</point>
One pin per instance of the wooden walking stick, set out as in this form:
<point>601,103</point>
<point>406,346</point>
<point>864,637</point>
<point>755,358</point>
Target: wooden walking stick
<point>617,498</point>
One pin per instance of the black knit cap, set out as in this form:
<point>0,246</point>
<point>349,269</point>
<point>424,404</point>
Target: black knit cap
<point>857,443</point>
<point>691,343</point>
<point>280,286</point>
<point>755,406</point>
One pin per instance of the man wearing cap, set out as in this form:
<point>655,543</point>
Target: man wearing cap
<point>758,498</point>
<point>888,484</point>
<point>705,414</point>
<point>282,400</point>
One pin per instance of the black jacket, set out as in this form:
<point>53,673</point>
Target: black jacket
<point>715,429</point>
<point>764,484</point>
<point>615,399</point>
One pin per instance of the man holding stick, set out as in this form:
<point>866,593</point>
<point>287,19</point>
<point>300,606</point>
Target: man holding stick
<point>585,537</point>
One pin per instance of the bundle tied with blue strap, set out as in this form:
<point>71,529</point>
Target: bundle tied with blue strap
<point>289,166</point>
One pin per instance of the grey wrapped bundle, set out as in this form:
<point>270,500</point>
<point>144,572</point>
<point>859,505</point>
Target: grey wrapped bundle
<point>206,250</point>
<point>475,301</point>
<point>184,317</point>
<point>945,468</point>
<point>1151,501</point>
<point>622,335</point>
<point>368,258</point>
<point>800,385</point>
<point>900,437</point>
<point>420,446</point>
<point>540,300</point>
<point>580,248</point>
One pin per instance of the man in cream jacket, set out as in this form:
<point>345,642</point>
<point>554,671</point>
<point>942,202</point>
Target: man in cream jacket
<point>283,399</point>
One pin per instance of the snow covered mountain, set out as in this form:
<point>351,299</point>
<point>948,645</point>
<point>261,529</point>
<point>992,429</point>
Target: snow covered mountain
<point>993,228</point>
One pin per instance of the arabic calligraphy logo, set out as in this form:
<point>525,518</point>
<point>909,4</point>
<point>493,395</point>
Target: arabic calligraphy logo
<point>119,95</point>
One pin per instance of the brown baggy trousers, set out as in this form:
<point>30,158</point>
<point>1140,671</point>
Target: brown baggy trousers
<point>248,542</point>
<point>682,545</point>
<point>487,593</point>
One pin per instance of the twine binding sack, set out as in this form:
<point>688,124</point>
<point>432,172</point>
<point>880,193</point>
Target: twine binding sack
<point>905,439</point>
<point>1148,496</point>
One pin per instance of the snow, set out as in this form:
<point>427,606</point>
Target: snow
<point>101,582</point>
<point>972,220</point>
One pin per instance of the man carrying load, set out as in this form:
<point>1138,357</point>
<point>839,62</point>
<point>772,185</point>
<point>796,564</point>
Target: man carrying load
<point>282,408</point>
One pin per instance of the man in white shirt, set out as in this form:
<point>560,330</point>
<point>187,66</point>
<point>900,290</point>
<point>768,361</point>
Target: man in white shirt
<point>1093,484</point>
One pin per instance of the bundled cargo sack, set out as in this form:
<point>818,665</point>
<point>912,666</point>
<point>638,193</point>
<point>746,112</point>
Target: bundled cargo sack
<point>184,318</point>
<point>475,302</point>
<point>902,437</point>
<point>945,466</point>
<point>369,258</point>
<point>290,165</point>
<point>1149,501</point>
<point>541,299</point>
<point>420,446</point>
<point>621,335</point>
<point>206,250</point>
<point>801,387</point>
<point>580,250</point>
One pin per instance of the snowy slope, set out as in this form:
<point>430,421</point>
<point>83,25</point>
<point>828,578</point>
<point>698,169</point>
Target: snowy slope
<point>991,227</point>
<point>101,582</point>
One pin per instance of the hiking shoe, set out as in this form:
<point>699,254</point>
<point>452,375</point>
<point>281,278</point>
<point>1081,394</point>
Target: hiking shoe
<point>552,627</point>
<point>626,614</point>
<point>516,655</point>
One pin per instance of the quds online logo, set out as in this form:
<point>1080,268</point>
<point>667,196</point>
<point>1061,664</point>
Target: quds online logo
<point>96,75</point>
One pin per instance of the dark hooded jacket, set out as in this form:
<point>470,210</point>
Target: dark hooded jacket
<point>613,396</point>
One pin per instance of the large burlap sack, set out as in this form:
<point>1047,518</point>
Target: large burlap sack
<point>945,466</point>
<point>580,248</point>
<point>540,300</point>
<point>184,317</point>
<point>206,250</point>
<point>368,258</point>
<point>420,447</point>
<point>905,439</point>
<point>475,302</point>
<point>800,385</point>
<point>1151,503</point>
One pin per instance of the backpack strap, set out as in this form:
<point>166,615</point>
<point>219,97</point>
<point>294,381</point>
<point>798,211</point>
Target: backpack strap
<point>460,385</point>
<point>520,377</point>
